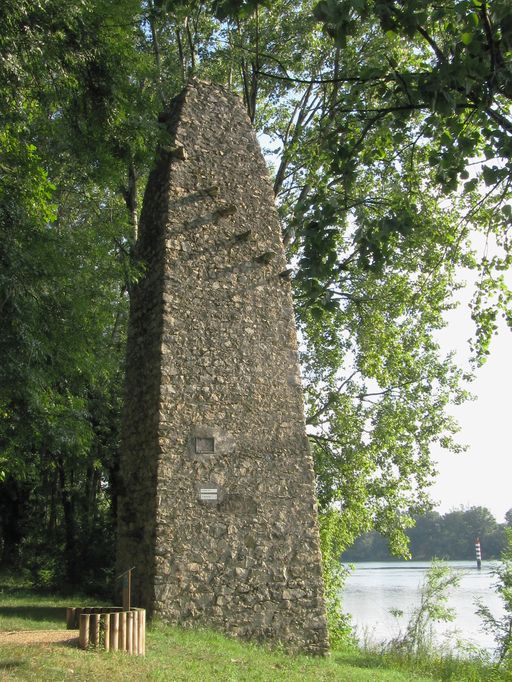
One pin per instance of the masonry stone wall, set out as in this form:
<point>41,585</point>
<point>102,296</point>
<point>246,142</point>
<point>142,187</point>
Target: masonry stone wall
<point>218,511</point>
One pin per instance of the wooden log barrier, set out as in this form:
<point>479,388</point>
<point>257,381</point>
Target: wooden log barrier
<point>73,613</point>
<point>105,617</point>
<point>143,648</point>
<point>141,627</point>
<point>70,618</point>
<point>122,631</point>
<point>83,637</point>
<point>94,631</point>
<point>109,628</point>
<point>129,632</point>
<point>114,631</point>
<point>135,633</point>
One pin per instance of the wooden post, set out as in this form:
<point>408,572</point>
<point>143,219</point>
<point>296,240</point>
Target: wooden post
<point>106,630</point>
<point>95,629</point>
<point>114,631</point>
<point>134,632</point>
<point>142,632</point>
<point>127,590</point>
<point>70,618</point>
<point>137,632</point>
<point>129,632</point>
<point>122,631</point>
<point>83,637</point>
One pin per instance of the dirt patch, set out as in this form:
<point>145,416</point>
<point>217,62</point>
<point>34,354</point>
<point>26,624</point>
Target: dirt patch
<point>67,637</point>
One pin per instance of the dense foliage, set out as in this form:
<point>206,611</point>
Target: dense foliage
<point>64,235</point>
<point>389,128</point>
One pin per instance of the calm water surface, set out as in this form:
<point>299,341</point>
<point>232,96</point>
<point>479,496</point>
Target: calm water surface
<point>373,588</point>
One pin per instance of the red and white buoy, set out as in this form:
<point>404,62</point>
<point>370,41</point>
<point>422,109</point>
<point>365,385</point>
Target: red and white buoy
<point>478,551</point>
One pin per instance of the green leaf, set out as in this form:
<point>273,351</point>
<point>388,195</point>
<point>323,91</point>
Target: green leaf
<point>490,175</point>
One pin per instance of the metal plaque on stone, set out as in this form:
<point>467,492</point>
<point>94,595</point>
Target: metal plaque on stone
<point>208,494</point>
<point>204,445</point>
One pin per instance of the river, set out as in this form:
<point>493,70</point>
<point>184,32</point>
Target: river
<point>374,588</point>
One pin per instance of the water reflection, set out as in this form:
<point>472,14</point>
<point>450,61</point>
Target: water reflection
<point>374,588</point>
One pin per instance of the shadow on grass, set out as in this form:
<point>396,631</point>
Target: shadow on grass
<point>364,661</point>
<point>55,614</point>
<point>8,664</point>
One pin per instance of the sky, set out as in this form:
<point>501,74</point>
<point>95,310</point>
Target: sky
<point>482,476</point>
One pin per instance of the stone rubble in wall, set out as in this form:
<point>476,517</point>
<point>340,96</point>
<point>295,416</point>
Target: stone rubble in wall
<point>216,315</point>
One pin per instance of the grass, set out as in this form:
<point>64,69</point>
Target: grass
<point>443,666</point>
<point>176,654</point>
<point>21,608</point>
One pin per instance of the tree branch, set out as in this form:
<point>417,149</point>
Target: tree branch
<point>492,49</point>
<point>320,81</point>
<point>333,396</point>
<point>500,119</point>
<point>438,52</point>
<point>285,160</point>
<point>156,51</point>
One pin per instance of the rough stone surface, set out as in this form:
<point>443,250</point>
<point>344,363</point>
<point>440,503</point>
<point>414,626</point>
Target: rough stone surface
<point>217,511</point>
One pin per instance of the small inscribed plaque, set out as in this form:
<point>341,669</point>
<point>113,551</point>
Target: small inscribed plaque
<point>208,494</point>
<point>204,445</point>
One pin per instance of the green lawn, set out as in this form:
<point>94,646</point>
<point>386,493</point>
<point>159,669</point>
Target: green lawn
<point>178,654</point>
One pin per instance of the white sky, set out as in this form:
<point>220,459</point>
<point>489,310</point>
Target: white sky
<point>482,476</point>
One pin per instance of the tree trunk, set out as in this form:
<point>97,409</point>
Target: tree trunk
<point>11,512</point>
<point>70,548</point>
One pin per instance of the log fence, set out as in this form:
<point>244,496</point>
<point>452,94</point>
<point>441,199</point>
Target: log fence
<point>110,628</point>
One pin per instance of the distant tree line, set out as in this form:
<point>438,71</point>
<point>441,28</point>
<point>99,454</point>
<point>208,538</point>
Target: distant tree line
<point>445,536</point>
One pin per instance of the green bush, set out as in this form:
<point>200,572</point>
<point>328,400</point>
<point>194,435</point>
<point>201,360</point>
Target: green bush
<point>501,628</point>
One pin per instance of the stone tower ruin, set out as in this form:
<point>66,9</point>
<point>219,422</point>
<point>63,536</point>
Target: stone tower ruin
<point>217,509</point>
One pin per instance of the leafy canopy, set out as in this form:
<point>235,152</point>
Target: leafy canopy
<point>388,125</point>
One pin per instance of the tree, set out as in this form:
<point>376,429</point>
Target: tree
<point>451,537</point>
<point>426,536</point>
<point>441,74</point>
<point>373,113</point>
<point>64,233</point>
<point>407,97</point>
<point>376,383</point>
<point>461,527</point>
